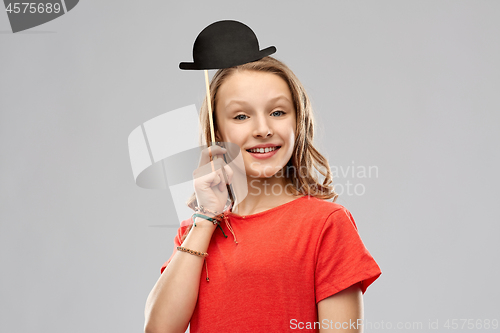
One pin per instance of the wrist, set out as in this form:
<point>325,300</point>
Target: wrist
<point>204,223</point>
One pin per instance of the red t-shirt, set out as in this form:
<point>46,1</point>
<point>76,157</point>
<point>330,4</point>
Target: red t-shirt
<point>287,259</point>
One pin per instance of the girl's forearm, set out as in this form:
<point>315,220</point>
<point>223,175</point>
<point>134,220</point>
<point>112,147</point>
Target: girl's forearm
<point>171,303</point>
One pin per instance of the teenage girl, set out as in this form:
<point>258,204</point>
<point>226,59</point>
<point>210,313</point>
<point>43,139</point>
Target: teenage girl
<point>284,258</point>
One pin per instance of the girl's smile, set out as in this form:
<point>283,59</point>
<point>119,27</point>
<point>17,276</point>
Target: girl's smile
<point>261,153</point>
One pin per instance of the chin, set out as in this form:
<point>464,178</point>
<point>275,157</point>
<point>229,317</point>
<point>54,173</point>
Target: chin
<point>263,172</point>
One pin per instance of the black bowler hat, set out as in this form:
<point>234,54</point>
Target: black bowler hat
<point>225,44</point>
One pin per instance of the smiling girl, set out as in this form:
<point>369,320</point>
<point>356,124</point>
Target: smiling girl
<point>297,261</point>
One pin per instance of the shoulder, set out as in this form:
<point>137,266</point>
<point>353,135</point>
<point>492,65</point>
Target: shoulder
<point>314,214</point>
<point>318,207</point>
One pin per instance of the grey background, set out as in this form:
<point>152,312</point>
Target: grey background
<point>408,86</point>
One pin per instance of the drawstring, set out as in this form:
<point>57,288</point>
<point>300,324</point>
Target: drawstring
<point>229,227</point>
<point>218,225</point>
<point>206,269</point>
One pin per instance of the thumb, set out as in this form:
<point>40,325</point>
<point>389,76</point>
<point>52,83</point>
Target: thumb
<point>222,184</point>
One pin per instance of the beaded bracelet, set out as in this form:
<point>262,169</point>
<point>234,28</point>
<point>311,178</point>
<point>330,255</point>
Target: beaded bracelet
<point>196,253</point>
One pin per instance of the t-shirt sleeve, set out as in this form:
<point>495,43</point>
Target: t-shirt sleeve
<point>177,242</point>
<point>341,257</point>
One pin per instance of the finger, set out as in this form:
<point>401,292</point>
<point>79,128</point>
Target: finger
<point>208,168</point>
<point>222,185</point>
<point>229,172</point>
<point>224,176</point>
<point>224,180</point>
<point>225,169</point>
<point>204,176</point>
<point>219,165</point>
<point>213,150</point>
<point>216,180</point>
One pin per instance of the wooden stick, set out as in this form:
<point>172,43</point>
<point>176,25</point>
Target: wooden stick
<point>212,135</point>
<point>209,102</point>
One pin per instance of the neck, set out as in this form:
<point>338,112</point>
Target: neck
<point>264,194</point>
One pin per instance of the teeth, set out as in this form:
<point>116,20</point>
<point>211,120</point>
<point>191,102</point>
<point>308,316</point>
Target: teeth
<point>262,150</point>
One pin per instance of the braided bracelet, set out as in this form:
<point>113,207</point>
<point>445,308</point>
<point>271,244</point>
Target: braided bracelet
<point>215,220</point>
<point>196,253</point>
<point>218,217</point>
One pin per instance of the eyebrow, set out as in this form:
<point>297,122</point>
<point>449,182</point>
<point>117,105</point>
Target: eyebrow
<point>272,100</point>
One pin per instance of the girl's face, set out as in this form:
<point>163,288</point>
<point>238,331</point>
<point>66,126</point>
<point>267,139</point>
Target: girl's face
<point>255,109</point>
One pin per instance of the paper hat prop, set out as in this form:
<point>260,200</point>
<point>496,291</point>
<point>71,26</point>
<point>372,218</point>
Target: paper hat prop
<point>225,44</point>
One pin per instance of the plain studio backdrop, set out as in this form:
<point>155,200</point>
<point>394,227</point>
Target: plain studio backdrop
<point>408,88</point>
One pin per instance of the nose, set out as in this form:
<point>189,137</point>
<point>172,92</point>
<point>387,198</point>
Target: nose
<point>262,128</point>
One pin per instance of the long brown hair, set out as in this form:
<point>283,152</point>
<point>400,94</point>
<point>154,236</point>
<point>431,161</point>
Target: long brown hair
<point>305,158</point>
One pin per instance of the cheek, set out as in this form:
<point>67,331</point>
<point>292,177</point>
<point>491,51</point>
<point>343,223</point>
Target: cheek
<point>226,137</point>
<point>220,137</point>
<point>230,134</point>
<point>290,140</point>
<point>289,136</point>
<point>222,133</point>
<point>220,130</point>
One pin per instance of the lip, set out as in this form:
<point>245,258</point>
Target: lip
<point>267,145</point>
<point>262,156</point>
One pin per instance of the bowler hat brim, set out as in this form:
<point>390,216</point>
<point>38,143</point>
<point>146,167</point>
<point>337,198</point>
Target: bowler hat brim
<point>261,54</point>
